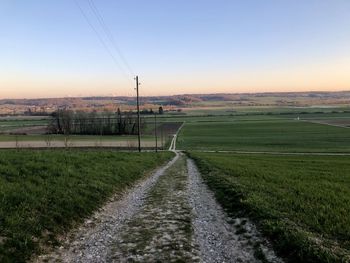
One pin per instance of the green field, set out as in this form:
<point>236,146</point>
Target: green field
<point>45,193</point>
<point>147,134</point>
<point>301,202</point>
<point>265,134</point>
<point>219,109</point>
<point>19,123</point>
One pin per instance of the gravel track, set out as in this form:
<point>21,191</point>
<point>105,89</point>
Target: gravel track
<point>171,216</point>
<point>162,230</point>
<point>220,238</point>
<point>90,243</point>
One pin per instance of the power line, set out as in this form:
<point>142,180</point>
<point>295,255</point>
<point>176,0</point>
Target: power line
<point>109,35</point>
<point>101,40</point>
<point>138,113</point>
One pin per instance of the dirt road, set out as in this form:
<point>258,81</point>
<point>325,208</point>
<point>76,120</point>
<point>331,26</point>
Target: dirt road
<point>277,153</point>
<point>342,123</point>
<point>170,217</point>
<point>75,143</point>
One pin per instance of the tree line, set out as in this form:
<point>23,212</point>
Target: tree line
<point>93,123</point>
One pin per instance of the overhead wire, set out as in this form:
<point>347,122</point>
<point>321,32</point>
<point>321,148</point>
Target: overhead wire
<point>116,62</point>
<point>109,35</point>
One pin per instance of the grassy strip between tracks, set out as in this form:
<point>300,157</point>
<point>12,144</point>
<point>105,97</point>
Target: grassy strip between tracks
<point>45,193</point>
<point>301,202</point>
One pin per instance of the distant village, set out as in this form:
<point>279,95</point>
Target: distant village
<point>176,103</point>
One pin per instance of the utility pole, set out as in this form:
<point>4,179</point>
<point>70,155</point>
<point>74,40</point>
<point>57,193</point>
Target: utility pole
<point>138,112</point>
<point>161,137</point>
<point>155,130</point>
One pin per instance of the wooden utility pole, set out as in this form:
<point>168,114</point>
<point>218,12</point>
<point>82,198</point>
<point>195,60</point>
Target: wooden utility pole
<point>155,130</point>
<point>138,113</point>
<point>161,137</point>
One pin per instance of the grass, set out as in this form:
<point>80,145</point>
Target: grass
<point>45,193</point>
<point>257,113</point>
<point>14,124</point>
<point>301,202</point>
<point>145,233</point>
<point>227,108</point>
<point>264,135</point>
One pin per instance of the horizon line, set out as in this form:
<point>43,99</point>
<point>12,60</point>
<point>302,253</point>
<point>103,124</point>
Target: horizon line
<point>182,94</point>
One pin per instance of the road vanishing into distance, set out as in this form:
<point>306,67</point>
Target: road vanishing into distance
<point>171,216</point>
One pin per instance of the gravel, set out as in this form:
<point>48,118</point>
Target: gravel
<point>221,238</point>
<point>162,230</point>
<point>91,242</point>
<point>171,216</point>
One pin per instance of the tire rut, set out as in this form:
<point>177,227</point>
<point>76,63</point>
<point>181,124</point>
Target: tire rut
<point>172,216</point>
<point>162,230</point>
<point>221,238</point>
<point>91,241</point>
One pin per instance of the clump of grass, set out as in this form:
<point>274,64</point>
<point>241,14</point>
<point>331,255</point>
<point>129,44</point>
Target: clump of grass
<point>44,193</point>
<point>301,202</point>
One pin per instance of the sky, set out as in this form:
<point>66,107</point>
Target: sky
<point>50,49</point>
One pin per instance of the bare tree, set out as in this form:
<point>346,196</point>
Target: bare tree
<point>106,123</point>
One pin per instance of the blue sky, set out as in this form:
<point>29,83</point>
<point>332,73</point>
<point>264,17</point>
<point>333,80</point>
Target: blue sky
<point>48,49</point>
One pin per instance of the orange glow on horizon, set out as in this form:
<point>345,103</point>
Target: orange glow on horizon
<point>327,77</point>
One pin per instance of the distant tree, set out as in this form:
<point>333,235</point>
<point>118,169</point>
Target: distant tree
<point>161,111</point>
<point>67,122</point>
<point>66,117</point>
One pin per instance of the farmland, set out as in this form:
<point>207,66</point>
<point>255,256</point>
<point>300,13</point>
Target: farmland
<point>78,141</point>
<point>32,134</point>
<point>175,131</point>
<point>45,193</point>
<point>301,202</point>
<point>279,135</point>
<point>12,123</point>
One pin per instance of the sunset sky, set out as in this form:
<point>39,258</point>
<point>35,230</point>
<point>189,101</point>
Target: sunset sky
<point>48,49</point>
